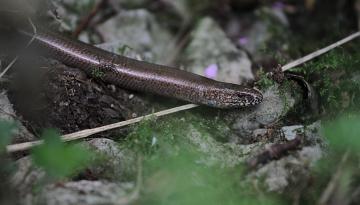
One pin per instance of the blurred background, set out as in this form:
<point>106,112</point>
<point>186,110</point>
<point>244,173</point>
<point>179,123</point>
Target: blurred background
<point>300,146</point>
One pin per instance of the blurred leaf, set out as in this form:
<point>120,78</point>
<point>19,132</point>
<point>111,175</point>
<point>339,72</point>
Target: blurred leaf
<point>344,133</point>
<point>183,179</point>
<point>6,129</point>
<point>59,159</point>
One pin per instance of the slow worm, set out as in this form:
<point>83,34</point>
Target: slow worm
<point>143,76</point>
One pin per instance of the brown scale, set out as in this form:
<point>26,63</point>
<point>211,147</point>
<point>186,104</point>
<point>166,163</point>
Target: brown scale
<point>144,76</point>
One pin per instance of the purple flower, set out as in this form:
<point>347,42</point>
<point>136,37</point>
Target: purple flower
<point>243,40</point>
<point>211,71</point>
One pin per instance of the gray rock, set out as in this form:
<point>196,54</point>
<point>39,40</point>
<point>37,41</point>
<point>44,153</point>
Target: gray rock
<point>292,169</point>
<point>26,178</point>
<point>259,133</point>
<point>290,132</point>
<point>256,37</point>
<point>212,54</point>
<point>115,163</point>
<point>122,49</point>
<point>261,31</point>
<point>70,17</point>
<point>355,77</point>
<point>312,135</point>
<point>225,154</point>
<point>310,155</point>
<point>83,192</point>
<point>138,30</point>
<point>275,104</point>
<point>275,174</point>
<point>7,113</point>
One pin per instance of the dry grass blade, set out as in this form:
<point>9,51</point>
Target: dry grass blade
<point>319,52</point>
<point>85,133</point>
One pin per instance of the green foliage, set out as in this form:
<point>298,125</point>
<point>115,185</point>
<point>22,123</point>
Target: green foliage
<point>58,159</point>
<point>176,172</point>
<point>183,179</point>
<point>168,136</point>
<point>6,129</point>
<point>344,133</point>
<point>123,49</point>
<point>97,73</point>
<point>264,81</point>
<point>332,76</point>
<point>151,136</point>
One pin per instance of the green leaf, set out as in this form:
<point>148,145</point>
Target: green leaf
<point>58,159</point>
<point>182,180</point>
<point>344,133</point>
<point>6,130</point>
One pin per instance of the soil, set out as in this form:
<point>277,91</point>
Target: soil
<point>51,95</point>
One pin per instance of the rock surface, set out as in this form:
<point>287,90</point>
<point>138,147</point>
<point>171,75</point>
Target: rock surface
<point>210,51</point>
<point>290,132</point>
<point>7,113</point>
<point>292,169</point>
<point>27,178</point>
<point>276,103</point>
<point>115,163</point>
<point>84,192</point>
<point>225,154</point>
<point>138,30</point>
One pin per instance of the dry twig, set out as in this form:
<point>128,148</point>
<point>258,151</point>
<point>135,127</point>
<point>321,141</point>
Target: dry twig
<point>319,52</point>
<point>276,151</point>
<point>85,133</point>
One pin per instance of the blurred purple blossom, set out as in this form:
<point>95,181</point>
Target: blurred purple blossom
<point>211,71</point>
<point>243,40</point>
<point>278,5</point>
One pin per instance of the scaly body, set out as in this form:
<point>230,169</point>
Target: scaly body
<point>143,76</point>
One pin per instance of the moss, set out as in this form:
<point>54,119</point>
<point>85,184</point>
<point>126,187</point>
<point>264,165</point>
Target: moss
<point>333,77</point>
<point>97,73</point>
<point>290,92</point>
<point>123,49</point>
<point>153,136</point>
<point>264,81</point>
<point>283,89</point>
<point>175,171</point>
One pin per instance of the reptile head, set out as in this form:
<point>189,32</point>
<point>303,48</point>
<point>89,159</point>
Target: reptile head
<point>232,96</point>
